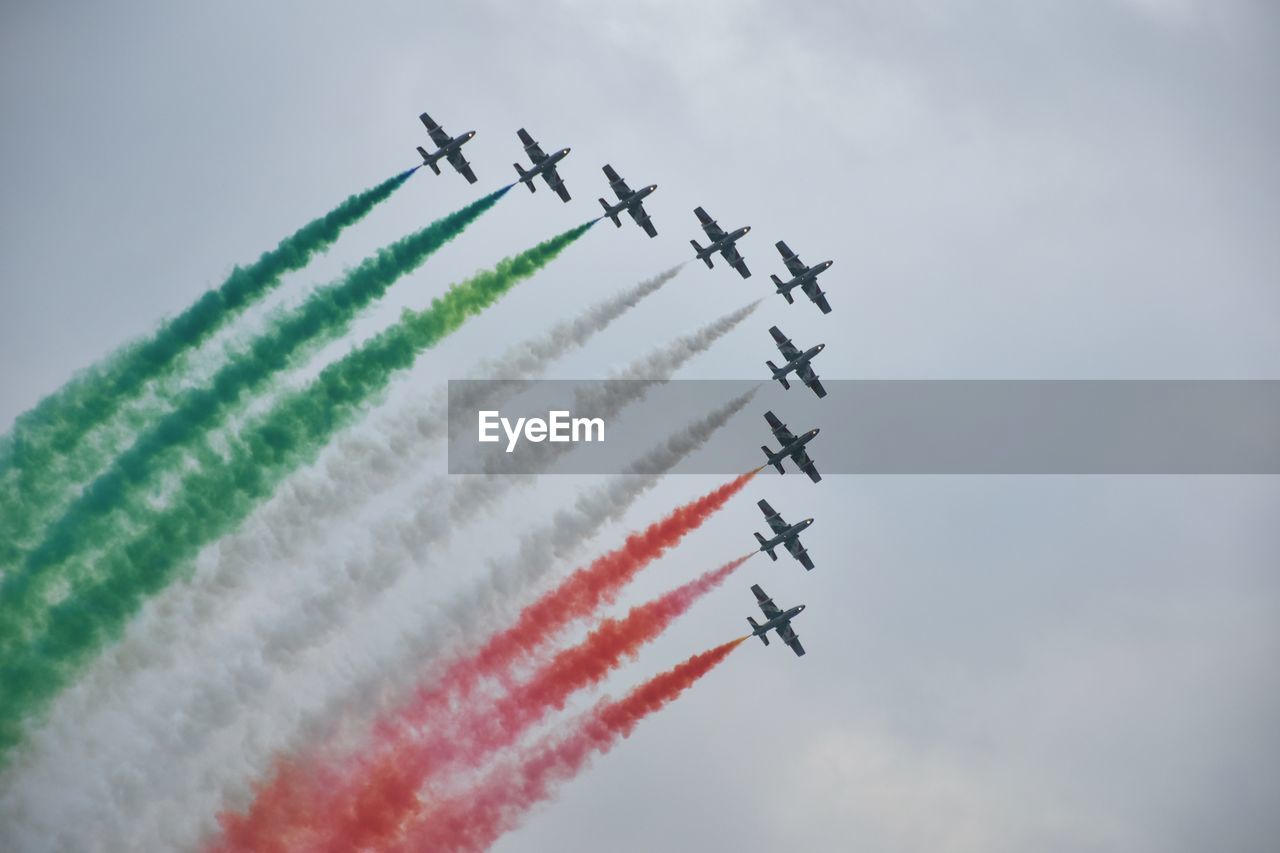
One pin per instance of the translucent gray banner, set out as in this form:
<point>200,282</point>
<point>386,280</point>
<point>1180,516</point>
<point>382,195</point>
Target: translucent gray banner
<point>872,427</point>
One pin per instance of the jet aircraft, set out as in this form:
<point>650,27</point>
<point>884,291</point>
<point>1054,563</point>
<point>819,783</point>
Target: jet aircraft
<point>790,446</point>
<point>543,164</point>
<point>721,242</point>
<point>802,276</point>
<point>797,361</point>
<point>786,535</point>
<point>449,148</point>
<point>628,200</point>
<point>776,620</point>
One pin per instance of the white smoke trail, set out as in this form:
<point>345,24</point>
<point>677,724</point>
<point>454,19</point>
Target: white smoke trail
<point>368,463</point>
<point>148,744</point>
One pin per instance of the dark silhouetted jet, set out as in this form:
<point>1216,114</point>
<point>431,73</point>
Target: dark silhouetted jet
<point>449,148</point>
<point>543,164</point>
<point>776,620</point>
<point>786,535</point>
<point>797,361</point>
<point>803,277</point>
<point>628,200</point>
<point>791,446</point>
<point>721,242</point>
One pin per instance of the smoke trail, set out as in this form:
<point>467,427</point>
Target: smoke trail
<point>477,817</point>
<point>574,599</point>
<point>377,790</point>
<point>149,710</point>
<point>362,466</point>
<point>324,316</point>
<point>216,498</point>
<point>44,453</point>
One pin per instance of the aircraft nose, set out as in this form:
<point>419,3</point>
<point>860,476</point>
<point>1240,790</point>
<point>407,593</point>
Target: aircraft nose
<point>746,229</point>
<point>821,347</point>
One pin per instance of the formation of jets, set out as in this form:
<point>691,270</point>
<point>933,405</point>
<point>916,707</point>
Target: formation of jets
<point>796,361</point>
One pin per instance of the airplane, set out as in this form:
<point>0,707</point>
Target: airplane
<point>543,164</point>
<point>790,446</point>
<point>786,535</point>
<point>629,200</point>
<point>721,242</point>
<point>777,620</point>
<point>803,277</point>
<point>450,148</point>
<point>798,361</point>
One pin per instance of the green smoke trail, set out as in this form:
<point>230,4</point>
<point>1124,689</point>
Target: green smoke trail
<point>98,513</point>
<point>214,499</point>
<point>45,454</point>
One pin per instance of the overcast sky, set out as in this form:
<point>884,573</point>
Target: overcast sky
<point>1079,189</point>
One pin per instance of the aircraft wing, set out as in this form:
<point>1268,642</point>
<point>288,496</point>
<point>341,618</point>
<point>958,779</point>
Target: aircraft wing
<point>805,464</point>
<point>734,258</point>
<point>816,295</point>
<point>780,430</point>
<point>800,553</point>
<point>767,607</point>
<point>642,219</point>
<point>460,163</point>
<point>709,226</point>
<point>791,638</point>
<point>435,131</point>
<point>619,186</point>
<point>556,183</point>
<point>533,149</point>
<point>775,520</point>
<point>808,377</point>
<point>788,349</point>
<point>794,265</point>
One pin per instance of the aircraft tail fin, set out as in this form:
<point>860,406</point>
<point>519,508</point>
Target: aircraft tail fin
<point>611,213</point>
<point>775,461</point>
<point>781,378</point>
<point>756,627</point>
<point>786,294</point>
<point>525,178</point>
<point>772,554</point>
<point>428,159</point>
<point>704,257</point>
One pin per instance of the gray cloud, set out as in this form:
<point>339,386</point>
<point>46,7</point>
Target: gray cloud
<point>1064,190</point>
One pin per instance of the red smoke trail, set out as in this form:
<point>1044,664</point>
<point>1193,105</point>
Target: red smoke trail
<point>476,818</point>
<point>388,794</point>
<point>305,794</point>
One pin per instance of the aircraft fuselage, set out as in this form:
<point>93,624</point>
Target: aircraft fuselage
<point>810,274</point>
<point>799,361</point>
<point>783,618</point>
<point>542,166</point>
<point>631,199</point>
<point>450,146</point>
<point>786,536</point>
